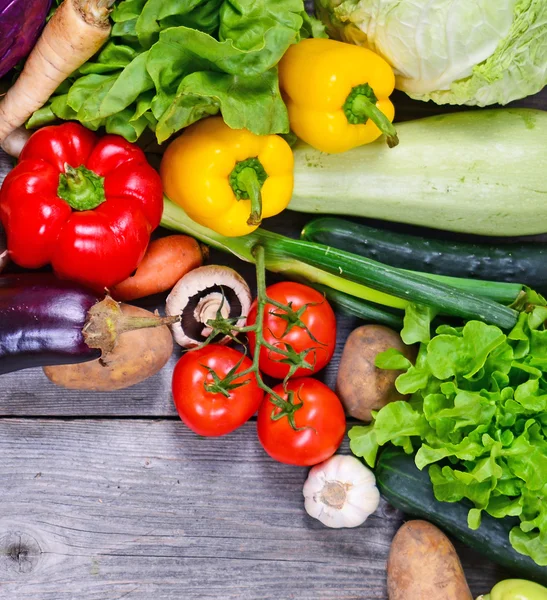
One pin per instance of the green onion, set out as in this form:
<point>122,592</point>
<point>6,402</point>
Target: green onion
<point>354,275</point>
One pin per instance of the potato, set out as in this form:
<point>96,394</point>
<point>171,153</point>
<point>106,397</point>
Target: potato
<point>138,355</point>
<point>360,385</point>
<point>423,564</point>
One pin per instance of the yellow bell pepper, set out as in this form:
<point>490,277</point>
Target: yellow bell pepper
<point>337,94</point>
<point>228,179</point>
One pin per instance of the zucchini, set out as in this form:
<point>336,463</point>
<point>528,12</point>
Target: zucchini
<point>518,263</point>
<point>480,172</point>
<point>410,490</point>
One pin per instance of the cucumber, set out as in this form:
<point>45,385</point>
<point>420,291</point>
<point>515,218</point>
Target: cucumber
<point>480,172</point>
<point>410,490</point>
<point>516,263</point>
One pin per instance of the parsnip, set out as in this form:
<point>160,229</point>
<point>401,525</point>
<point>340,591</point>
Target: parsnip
<point>73,35</point>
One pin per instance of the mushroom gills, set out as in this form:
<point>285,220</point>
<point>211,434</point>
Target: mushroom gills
<point>198,311</point>
<point>200,295</point>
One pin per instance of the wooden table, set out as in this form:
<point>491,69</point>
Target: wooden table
<point>110,496</point>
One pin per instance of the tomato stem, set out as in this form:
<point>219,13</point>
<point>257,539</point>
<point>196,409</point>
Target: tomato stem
<point>294,359</point>
<point>261,301</point>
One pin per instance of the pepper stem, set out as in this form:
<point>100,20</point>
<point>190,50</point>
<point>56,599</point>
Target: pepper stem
<point>246,181</point>
<point>80,188</point>
<point>360,106</point>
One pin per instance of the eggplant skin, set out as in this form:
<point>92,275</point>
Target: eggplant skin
<point>41,321</point>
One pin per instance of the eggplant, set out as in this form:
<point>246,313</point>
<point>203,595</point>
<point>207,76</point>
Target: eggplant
<point>45,321</point>
<point>41,322</point>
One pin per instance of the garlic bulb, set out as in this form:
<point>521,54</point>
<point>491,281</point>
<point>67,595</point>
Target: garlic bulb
<point>341,492</point>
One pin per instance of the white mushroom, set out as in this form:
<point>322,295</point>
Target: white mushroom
<point>200,295</point>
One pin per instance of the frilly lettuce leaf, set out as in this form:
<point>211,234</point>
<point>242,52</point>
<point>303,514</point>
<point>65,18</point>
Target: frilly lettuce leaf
<point>476,418</point>
<point>170,63</point>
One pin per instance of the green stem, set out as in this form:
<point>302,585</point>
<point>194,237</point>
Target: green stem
<point>362,106</point>
<point>81,188</point>
<point>261,301</point>
<point>176,219</point>
<point>248,180</point>
<point>381,282</point>
<point>224,386</point>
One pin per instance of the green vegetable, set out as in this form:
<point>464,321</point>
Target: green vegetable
<point>479,399</point>
<point>516,589</point>
<point>410,490</point>
<point>516,262</point>
<point>359,308</point>
<point>465,52</point>
<point>348,273</point>
<point>170,63</point>
<point>479,172</point>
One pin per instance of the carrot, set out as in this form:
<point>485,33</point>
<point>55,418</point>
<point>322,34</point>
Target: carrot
<point>73,35</point>
<point>165,262</point>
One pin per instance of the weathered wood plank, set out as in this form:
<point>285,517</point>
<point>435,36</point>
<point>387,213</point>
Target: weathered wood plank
<point>97,509</point>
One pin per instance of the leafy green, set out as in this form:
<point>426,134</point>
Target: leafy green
<point>476,417</point>
<point>169,63</point>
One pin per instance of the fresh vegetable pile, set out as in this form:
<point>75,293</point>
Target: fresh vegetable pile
<point>449,373</point>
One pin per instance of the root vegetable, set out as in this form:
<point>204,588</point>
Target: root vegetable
<point>166,261</point>
<point>73,35</point>
<point>360,385</point>
<point>138,355</point>
<point>423,564</point>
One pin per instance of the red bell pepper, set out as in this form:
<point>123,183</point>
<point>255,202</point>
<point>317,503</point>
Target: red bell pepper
<point>83,204</point>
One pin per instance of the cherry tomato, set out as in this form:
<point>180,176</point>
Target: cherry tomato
<point>318,416</point>
<point>206,410</point>
<point>315,329</point>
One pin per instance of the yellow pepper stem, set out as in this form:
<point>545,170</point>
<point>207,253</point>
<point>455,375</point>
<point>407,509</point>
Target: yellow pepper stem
<point>248,180</point>
<point>361,106</point>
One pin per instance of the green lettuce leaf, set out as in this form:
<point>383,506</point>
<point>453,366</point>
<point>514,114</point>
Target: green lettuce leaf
<point>170,63</point>
<point>476,417</point>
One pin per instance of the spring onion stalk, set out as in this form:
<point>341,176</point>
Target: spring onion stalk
<point>498,291</point>
<point>277,260</point>
<point>341,270</point>
<point>360,308</point>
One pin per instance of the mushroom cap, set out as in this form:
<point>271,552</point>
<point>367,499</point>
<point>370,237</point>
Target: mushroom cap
<point>199,295</point>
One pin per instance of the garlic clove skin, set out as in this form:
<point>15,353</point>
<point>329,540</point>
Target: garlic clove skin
<point>341,492</point>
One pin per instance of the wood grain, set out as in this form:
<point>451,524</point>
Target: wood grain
<point>97,509</point>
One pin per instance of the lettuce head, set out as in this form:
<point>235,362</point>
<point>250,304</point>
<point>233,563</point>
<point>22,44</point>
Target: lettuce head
<point>473,52</point>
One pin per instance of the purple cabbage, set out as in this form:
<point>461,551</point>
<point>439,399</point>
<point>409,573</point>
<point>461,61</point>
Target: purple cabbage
<point>21,22</point>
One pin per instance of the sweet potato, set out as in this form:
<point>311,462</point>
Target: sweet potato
<point>165,262</point>
<point>423,564</point>
<point>137,355</point>
<point>360,385</point>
